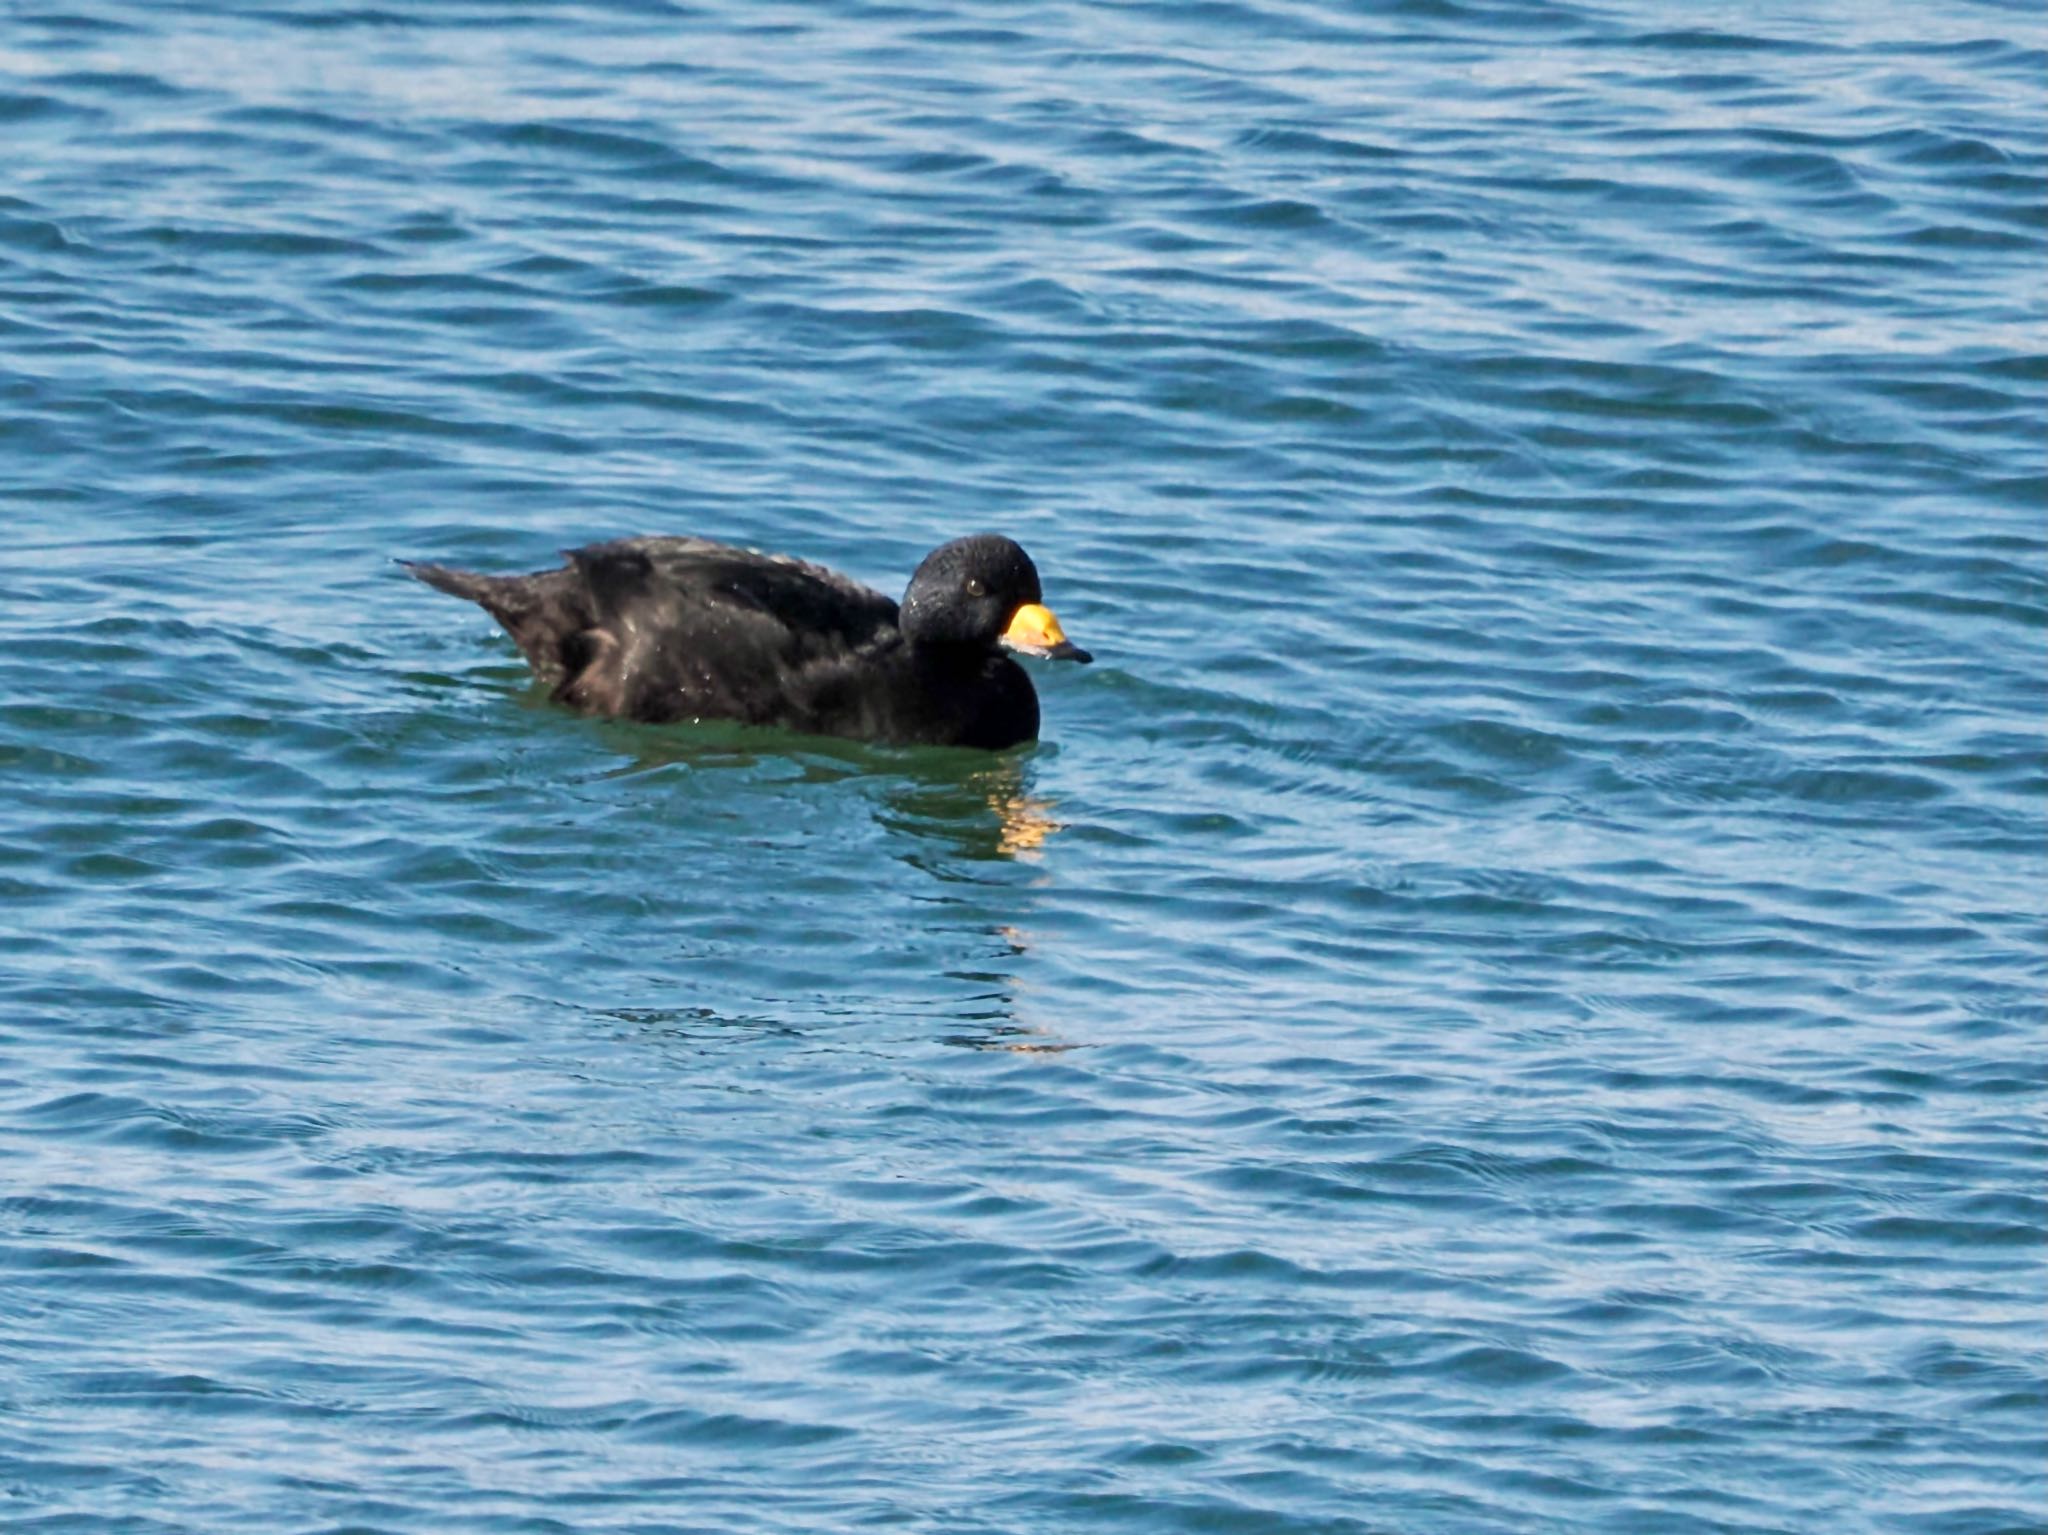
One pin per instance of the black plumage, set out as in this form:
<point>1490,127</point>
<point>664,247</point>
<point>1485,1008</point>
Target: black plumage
<point>668,629</point>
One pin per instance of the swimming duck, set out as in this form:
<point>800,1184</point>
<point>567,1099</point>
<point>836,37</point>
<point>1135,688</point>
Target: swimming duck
<point>668,629</point>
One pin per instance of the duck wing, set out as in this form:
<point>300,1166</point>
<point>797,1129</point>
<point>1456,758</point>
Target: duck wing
<point>680,628</point>
<point>809,601</point>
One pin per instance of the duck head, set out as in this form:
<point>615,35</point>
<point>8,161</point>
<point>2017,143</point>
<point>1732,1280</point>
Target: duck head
<point>982,592</point>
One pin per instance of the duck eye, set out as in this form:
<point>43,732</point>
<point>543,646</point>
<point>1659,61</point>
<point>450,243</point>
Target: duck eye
<point>976,589</point>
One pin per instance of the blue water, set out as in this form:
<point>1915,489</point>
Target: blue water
<point>1509,999</point>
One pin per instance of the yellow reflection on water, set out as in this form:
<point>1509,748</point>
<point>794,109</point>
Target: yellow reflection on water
<point>1024,821</point>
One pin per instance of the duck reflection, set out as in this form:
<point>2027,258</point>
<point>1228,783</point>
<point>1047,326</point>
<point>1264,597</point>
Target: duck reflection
<point>965,804</point>
<point>1026,821</point>
<point>983,812</point>
<point>972,826</point>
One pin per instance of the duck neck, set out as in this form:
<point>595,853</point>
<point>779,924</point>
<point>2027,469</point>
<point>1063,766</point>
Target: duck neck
<point>940,659</point>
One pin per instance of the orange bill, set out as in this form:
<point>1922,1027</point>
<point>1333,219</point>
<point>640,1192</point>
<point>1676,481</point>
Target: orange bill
<point>1035,632</point>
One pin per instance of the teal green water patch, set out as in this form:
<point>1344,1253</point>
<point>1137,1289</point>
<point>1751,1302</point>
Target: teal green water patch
<point>1506,1000</point>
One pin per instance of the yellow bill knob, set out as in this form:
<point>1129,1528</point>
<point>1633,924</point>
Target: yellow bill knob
<point>1035,632</point>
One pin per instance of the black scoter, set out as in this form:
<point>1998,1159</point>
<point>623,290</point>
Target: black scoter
<point>669,629</point>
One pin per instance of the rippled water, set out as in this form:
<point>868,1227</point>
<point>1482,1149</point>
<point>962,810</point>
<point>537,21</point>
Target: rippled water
<point>1509,998</point>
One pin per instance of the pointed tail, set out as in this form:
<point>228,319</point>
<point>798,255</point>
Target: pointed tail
<point>456,583</point>
<point>539,611</point>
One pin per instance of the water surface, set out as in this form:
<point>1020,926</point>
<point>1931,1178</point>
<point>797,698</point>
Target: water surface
<point>1509,998</point>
